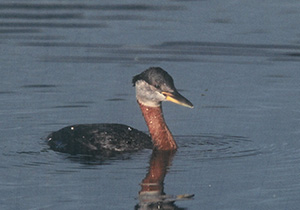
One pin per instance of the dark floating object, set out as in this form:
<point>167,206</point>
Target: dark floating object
<point>152,87</point>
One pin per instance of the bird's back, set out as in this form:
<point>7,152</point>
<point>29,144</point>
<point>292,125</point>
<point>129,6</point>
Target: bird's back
<point>102,139</point>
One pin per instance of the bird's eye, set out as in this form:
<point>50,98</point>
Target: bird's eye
<point>156,86</point>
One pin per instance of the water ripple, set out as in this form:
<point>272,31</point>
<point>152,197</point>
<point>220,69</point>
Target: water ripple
<point>214,146</point>
<point>52,25</point>
<point>170,51</point>
<point>19,31</point>
<point>39,86</point>
<point>43,16</point>
<point>74,6</point>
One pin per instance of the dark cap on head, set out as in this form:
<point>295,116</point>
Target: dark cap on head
<point>156,77</point>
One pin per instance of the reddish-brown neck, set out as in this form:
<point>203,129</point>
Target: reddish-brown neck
<point>160,134</point>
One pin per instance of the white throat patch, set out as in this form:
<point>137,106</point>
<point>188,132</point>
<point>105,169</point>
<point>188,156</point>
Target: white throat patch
<point>147,94</point>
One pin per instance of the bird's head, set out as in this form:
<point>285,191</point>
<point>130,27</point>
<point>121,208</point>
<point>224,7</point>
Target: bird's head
<point>154,86</point>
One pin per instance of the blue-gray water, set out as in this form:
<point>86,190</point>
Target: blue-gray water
<point>69,62</point>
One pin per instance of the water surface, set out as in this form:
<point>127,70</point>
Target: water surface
<point>66,63</point>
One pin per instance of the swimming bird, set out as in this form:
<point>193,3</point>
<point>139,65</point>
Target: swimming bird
<point>152,86</point>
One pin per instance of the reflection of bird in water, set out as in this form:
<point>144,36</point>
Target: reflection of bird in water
<point>152,195</point>
<point>152,87</point>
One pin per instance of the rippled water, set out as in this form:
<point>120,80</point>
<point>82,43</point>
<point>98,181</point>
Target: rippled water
<point>70,62</point>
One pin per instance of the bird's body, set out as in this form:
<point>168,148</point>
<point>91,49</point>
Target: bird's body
<point>152,87</point>
<point>98,139</point>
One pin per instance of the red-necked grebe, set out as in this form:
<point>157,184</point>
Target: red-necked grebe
<point>152,87</point>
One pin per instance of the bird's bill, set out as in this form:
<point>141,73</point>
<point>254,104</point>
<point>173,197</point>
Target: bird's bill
<point>176,98</point>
